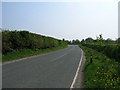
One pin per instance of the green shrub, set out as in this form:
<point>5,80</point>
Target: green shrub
<point>103,72</point>
<point>111,50</point>
<point>17,40</point>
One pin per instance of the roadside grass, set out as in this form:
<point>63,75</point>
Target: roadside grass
<point>0,57</point>
<point>103,72</point>
<point>28,52</point>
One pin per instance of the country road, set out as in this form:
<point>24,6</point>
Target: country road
<point>52,70</point>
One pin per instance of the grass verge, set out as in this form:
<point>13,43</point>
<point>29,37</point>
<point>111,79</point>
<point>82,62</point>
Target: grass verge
<point>27,52</point>
<point>103,72</point>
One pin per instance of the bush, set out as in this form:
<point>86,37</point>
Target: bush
<point>102,73</point>
<point>16,40</point>
<point>111,50</point>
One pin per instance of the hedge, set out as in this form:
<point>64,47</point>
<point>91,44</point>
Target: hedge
<point>110,50</point>
<point>16,40</point>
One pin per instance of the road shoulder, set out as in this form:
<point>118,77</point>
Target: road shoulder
<point>29,57</point>
<point>79,83</point>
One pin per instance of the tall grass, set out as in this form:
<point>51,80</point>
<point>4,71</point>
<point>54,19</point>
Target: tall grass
<point>103,72</point>
<point>110,50</point>
<point>28,52</point>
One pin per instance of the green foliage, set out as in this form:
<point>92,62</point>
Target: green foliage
<point>100,39</point>
<point>118,40</point>
<point>110,41</point>
<point>111,50</point>
<point>75,42</point>
<point>17,40</point>
<point>103,72</point>
<point>89,40</point>
<point>28,52</point>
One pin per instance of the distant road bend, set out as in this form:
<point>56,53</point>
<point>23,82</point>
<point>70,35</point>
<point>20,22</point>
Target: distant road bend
<point>53,70</point>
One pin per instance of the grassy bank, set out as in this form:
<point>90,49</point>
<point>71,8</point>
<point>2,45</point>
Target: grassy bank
<point>110,50</point>
<point>28,52</point>
<point>103,72</point>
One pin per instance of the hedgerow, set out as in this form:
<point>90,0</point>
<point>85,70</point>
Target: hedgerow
<point>103,72</point>
<point>110,50</point>
<point>17,40</point>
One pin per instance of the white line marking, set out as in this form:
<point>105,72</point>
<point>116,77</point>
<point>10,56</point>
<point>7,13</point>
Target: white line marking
<point>77,71</point>
<point>59,57</point>
<point>62,55</point>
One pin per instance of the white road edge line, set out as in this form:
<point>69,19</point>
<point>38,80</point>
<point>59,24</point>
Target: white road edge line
<point>77,70</point>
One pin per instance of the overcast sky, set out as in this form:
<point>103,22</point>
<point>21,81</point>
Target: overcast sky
<point>69,20</point>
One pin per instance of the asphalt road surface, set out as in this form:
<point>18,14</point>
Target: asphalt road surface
<point>52,70</point>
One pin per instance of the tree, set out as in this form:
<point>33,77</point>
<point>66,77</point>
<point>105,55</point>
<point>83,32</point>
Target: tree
<point>76,42</point>
<point>100,39</point>
<point>118,40</point>
<point>82,41</point>
<point>68,42</point>
<point>89,40</point>
<point>109,41</point>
